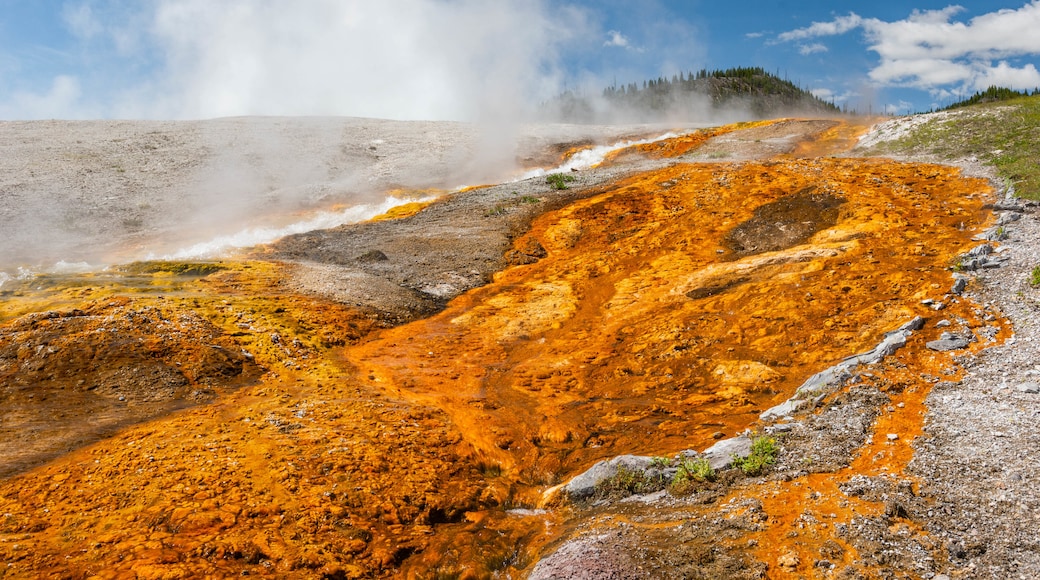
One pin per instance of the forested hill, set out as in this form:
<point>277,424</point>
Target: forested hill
<point>745,92</point>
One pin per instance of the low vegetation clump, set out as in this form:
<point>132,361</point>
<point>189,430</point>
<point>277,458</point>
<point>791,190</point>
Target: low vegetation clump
<point>1034,277</point>
<point>628,481</point>
<point>763,454</point>
<point>689,473</point>
<point>559,180</point>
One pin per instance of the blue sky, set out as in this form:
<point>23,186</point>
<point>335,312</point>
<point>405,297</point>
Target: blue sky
<point>486,59</point>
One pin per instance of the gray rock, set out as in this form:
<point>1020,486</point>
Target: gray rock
<point>946,344</point>
<point>983,250</point>
<point>959,284</point>
<point>993,234</point>
<point>830,379</point>
<point>992,262</point>
<point>1010,207</point>
<point>584,484</point>
<point>1029,387</point>
<point>1009,217</point>
<point>781,427</point>
<point>720,455</point>
<point>785,409</point>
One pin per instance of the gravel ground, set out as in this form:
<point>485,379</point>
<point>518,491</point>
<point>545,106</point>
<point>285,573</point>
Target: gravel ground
<point>977,467</point>
<point>978,464</point>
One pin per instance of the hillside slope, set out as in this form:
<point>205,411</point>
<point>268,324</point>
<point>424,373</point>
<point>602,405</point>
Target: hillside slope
<point>1003,134</point>
<point>746,92</point>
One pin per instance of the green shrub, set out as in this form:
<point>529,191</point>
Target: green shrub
<point>559,180</point>
<point>1034,277</point>
<point>763,454</point>
<point>660,462</point>
<point>629,481</point>
<point>693,469</point>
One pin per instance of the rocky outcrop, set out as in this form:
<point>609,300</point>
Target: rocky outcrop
<point>826,381</point>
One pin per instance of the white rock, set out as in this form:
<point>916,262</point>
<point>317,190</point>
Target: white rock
<point>1029,387</point>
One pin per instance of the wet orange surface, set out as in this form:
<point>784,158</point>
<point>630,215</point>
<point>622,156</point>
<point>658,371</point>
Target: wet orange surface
<point>642,331</point>
<point>673,305</point>
<point>838,138</point>
<point>678,146</point>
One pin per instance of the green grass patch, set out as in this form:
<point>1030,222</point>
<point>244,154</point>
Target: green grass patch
<point>628,482</point>
<point>559,180</point>
<point>763,454</point>
<point>1005,134</point>
<point>1034,277</point>
<point>689,473</point>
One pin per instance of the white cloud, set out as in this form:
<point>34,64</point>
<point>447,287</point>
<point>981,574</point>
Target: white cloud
<point>923,72</point>
<point>1004,75</point>
<point>822,93</point>
<point>839,25</point>
<point>930,50</point>
<point>80,20</point>
<point>807,49</point>
<point>615,38</point>
<point>898,108</point>
<point>618,40</point>
<point>829,95</point>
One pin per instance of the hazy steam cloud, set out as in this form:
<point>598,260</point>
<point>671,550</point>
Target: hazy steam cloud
<point>401,59</point>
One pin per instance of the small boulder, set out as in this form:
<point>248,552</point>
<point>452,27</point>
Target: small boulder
<point>720,455</point>
<point>788,562</point>
<point>372,256</point>
<point>982,250</point>
<point>1029,387</point>
<point>584,484</point>
<point>948,341</point>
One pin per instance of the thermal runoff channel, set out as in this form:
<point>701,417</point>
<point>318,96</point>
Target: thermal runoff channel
<point>223,418</point>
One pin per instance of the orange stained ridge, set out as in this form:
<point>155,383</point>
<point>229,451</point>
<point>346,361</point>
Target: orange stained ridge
<point>837,139</point>
<point>647,328</point>
<point>682,144</point>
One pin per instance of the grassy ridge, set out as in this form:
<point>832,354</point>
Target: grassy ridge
<point>1005,135</point>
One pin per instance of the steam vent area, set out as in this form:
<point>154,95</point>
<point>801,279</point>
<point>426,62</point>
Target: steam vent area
<point>703,356</point>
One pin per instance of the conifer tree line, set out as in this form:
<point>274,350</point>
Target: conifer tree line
<point>752,89</point>
<point>992,94</point>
